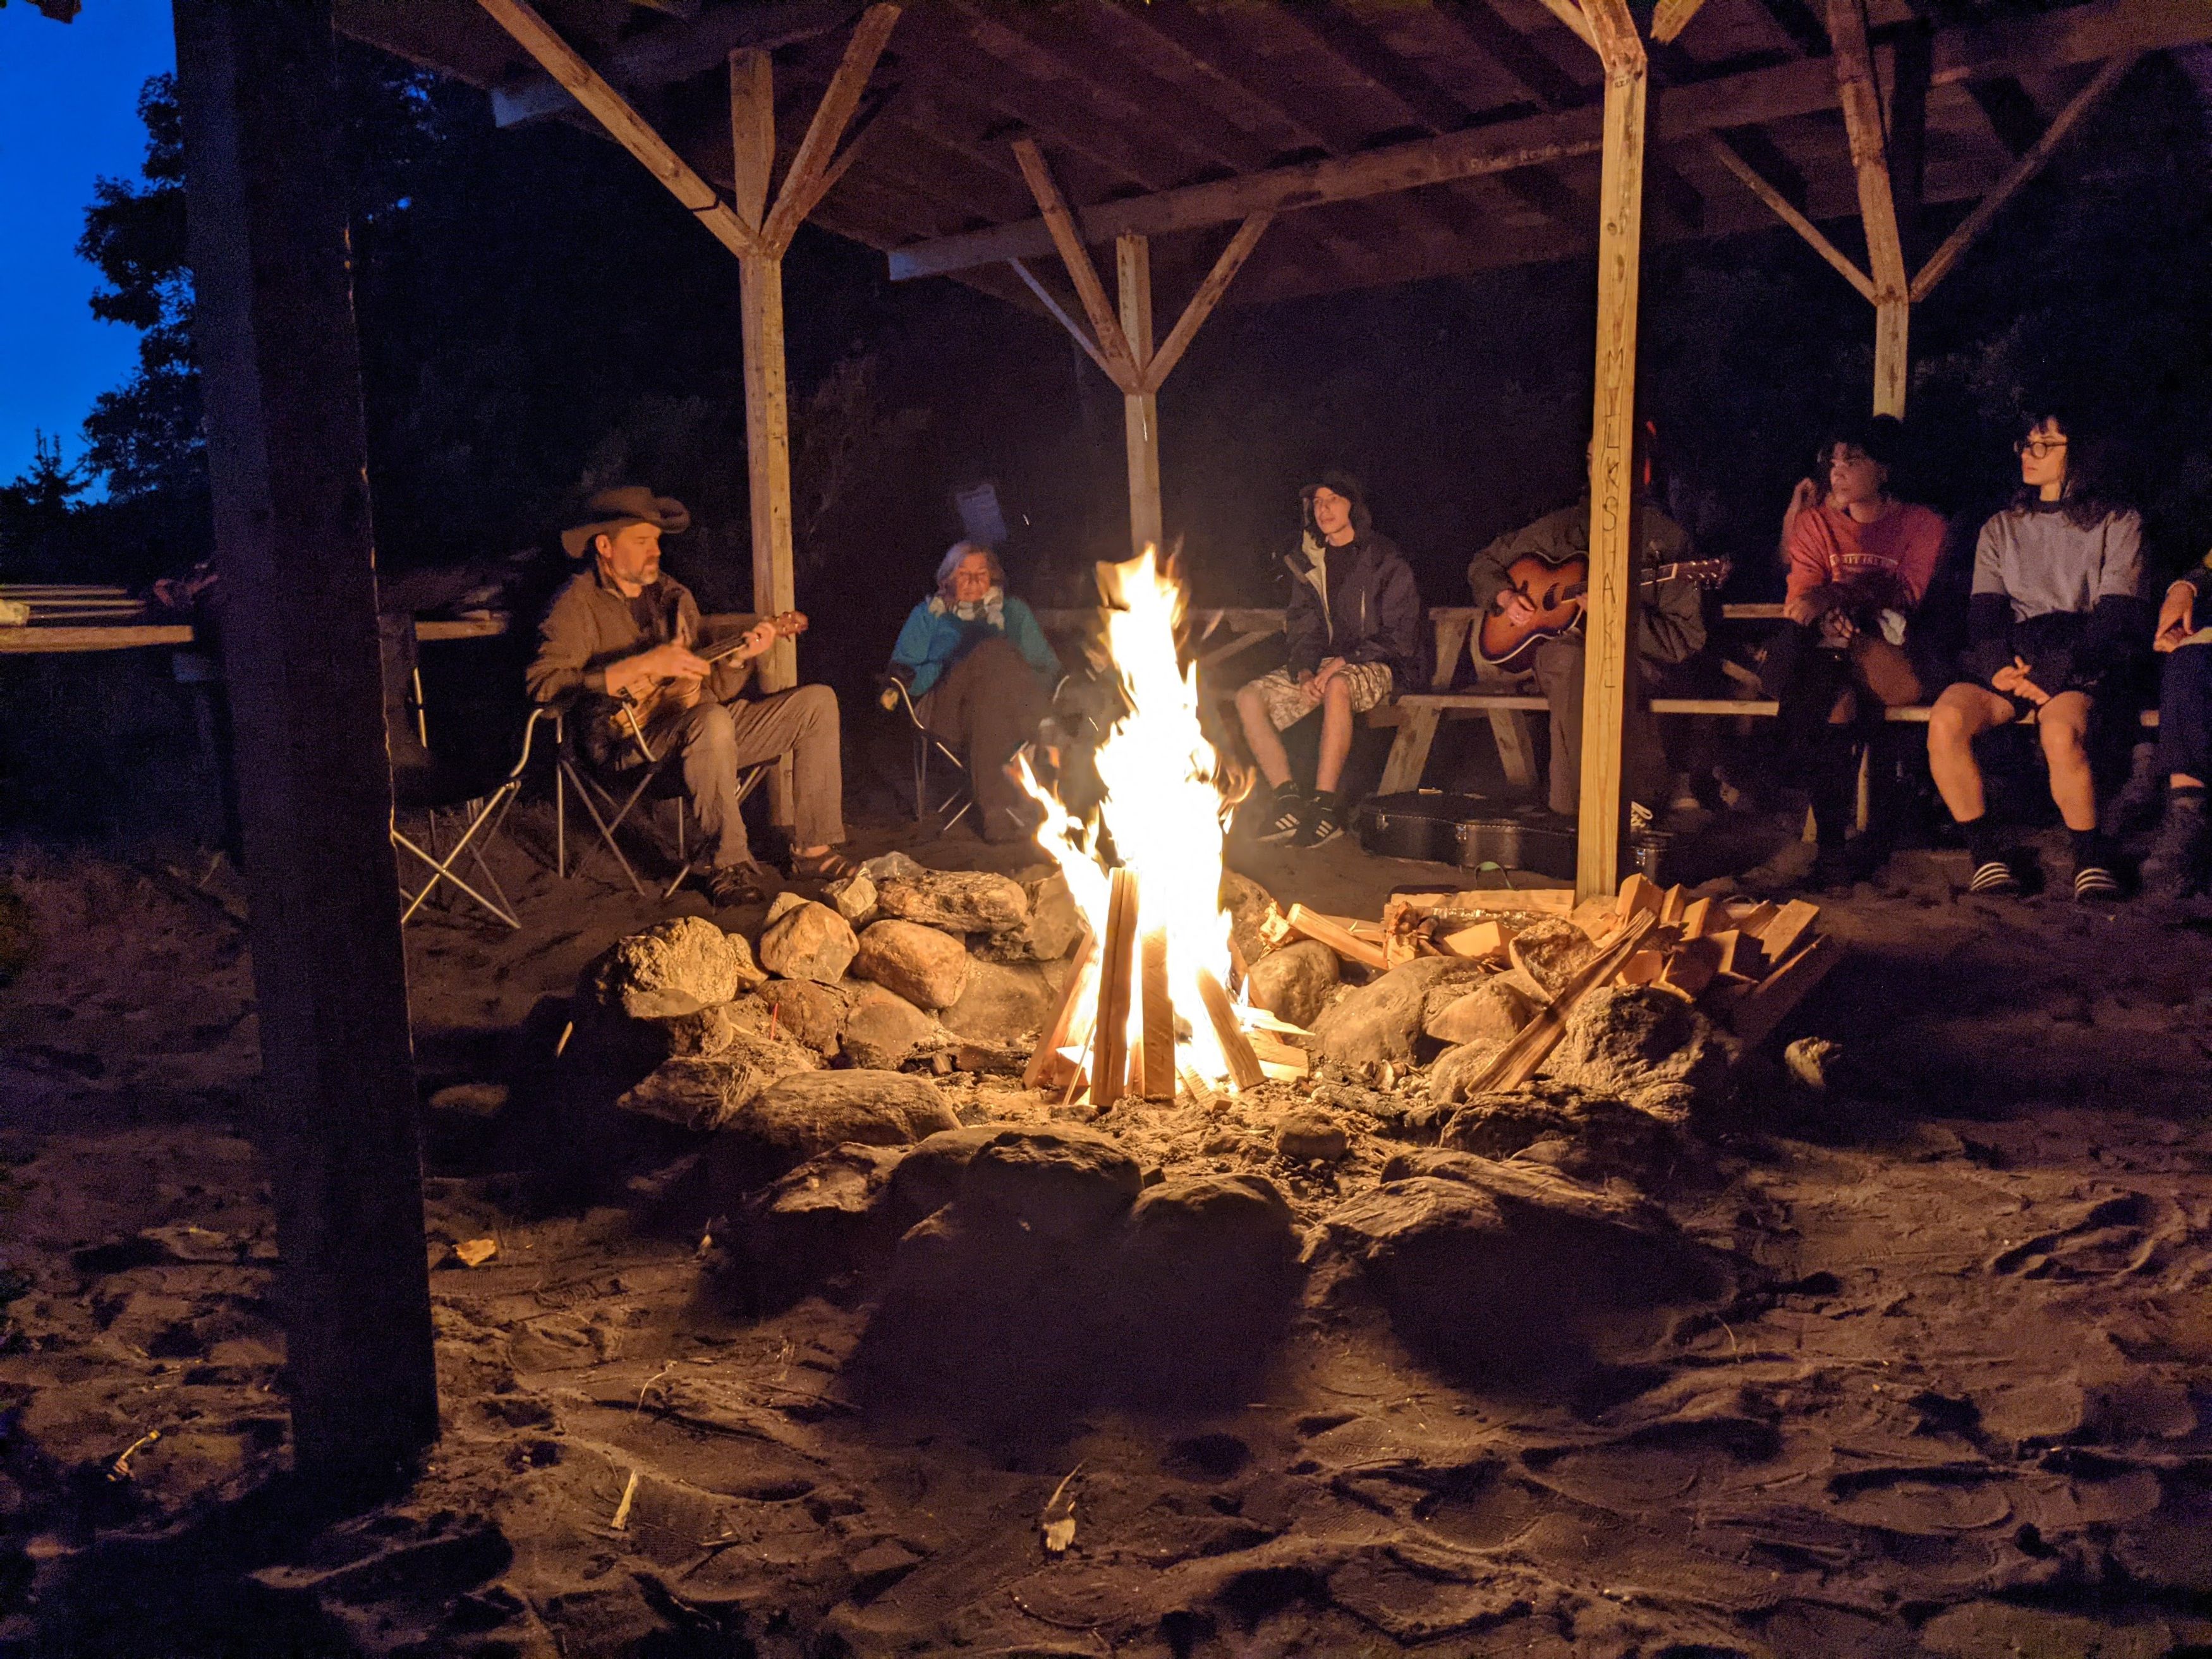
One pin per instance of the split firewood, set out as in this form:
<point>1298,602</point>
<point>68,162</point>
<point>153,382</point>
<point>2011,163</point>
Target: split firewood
<point>1279,1060</point>
<point>1781,936</point>
<point>1643,968</point>
<point>1637,894</point>
<point>1597,917</point>
<point>1307,924</point>
<point>1672,903</point>
<point>1697,918</point>
<point>1274,929</point>
<point>1753,918</point>
<point>1516,1062</point>
<point>1782,990</point>
<point>1691,966</point>
<point>1739,953</point>
<point>1486,941</point>
<point>475,1252</point>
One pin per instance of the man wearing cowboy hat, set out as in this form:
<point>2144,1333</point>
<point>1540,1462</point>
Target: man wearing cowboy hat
<point>621,628</point>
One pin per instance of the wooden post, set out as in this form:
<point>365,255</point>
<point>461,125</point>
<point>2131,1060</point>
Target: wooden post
<point>279,362</point>
<point>1610,657</point>
<point>1140,409</point>
<point>1863,118</point>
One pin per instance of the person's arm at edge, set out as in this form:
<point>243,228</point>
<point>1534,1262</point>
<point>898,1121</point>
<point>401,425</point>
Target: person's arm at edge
<point>910,650</point>
<point>563,651</point>
<point>2120,620</point>
<point>1305,631</point>
<point>1988,610</point>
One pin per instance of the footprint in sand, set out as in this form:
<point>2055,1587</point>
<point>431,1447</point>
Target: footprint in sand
<point>2125,1234</point>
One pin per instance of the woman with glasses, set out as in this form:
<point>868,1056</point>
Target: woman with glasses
<point>2056,611</point>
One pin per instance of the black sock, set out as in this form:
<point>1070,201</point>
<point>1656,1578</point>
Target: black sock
<point>2090,848</point>
<point>2189,797</point>
<point>1983,844</point>
<point>1325,799</point>
<point>1288,791</point>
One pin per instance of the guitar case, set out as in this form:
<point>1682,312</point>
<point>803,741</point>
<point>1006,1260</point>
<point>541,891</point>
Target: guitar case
<point>1469,831</point>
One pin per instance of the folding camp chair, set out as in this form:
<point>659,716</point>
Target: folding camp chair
<point>658,778</point>
<point>426,783</point>
<point>897,698</point>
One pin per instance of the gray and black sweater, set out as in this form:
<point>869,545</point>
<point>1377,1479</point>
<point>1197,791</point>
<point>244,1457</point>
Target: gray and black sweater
<point>2066,599</point>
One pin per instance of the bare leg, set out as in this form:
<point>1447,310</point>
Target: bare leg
<point>1335,734</point>
<point>2063,724</point>
<point>1260,733</point>
<point>1962,714</point>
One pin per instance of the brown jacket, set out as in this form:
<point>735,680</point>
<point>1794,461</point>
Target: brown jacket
<point>589,626</point>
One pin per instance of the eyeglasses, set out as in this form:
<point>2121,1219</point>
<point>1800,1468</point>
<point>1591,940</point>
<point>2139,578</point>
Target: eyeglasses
<point>2038,448</point>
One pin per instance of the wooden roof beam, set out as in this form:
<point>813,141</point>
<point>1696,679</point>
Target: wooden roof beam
<point>678,52</point>
<point>1784,210</point>
<point>1109,348</point>
<point>625,125</point>
<point>2083,34</point>
<point>1955,246</point>
<point>809,176</point>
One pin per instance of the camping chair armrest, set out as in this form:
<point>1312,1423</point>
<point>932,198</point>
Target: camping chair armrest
<point>894,691</point>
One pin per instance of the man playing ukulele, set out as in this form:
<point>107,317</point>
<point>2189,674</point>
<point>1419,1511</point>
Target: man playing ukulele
<point>623,635</point>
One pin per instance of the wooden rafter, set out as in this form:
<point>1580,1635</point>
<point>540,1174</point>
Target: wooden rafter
<point>1058,312</point>
<point>1113,349</point>
<point>1670,17</point>
<point>802,186</point>
<point>1573,16</point>
<point>624,123</point>
<point>1955,245</point>
<point>1726,154</point>
<point>1203,301</point>
<point>1860,96</point>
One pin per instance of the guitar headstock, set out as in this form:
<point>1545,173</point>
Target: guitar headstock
<point>1705,573</point>
<point>789,624</point>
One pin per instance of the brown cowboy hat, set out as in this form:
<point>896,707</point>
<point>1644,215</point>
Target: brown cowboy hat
<point>609,510</point>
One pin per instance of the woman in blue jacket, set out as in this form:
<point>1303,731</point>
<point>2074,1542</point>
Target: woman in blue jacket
<point>980,674</point>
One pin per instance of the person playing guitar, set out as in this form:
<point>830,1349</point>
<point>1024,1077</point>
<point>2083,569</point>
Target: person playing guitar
<point>624,639</point>
<point>1670,630</point>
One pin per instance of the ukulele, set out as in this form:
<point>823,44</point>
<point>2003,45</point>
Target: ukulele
<point>637,711</point>
<point>1511,646</point>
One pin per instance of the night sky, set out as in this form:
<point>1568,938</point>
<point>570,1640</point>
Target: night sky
<point>68,96</point>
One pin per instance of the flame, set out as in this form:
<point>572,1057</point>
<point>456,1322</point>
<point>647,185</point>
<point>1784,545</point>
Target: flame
<point>1167,798</point>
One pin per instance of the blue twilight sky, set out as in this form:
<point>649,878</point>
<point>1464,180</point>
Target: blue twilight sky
<point>69,97</point>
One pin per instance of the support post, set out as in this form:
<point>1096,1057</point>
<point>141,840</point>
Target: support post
<point>286,457</point>
<point>1610,631</point>
<point>1140,409</point>
<point>1863,118</point>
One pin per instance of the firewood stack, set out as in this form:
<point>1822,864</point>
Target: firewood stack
<point>1744,962</point>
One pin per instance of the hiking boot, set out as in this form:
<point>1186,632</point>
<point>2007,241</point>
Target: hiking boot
<point>1323,823</point>
<point>730,886</point>
<point>2179,859</point>
<point>1286,816</point>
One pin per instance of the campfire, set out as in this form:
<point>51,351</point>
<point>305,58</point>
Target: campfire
<point>1147,1007</point>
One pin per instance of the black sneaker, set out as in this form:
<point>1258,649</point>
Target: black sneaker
<point>2094,885</point>
<point>1322,825</point>
<point>1995,878</point>
<point>1833,870</point>
<point>2176,865</point>
<point>1286,817</point>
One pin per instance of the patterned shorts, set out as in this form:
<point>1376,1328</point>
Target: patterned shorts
<point>1369,682</point>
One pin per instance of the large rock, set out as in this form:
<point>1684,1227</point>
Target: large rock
<point>962,900</point>
<point>1296,982</point>
<point>855,898</point>
<point>1507,1268</point>
<point>1200,1280</point>
<point>1003,1002</point>
<point>824,1219</point>
<point>675,967</point>
<point>1247,902</point>
<point>1597,1138</point>
<point>1452,1078</point>
<point>802,1010</point>
<point>1054,925</point>
<point>1551,951</point>
<point>1063,1182</point>
<point>804,1115</point>
<point>1491,1012</point>
<point>1629,1040</point>
<point>928,1177</point>
<point>1307,1136</point>
<point>921,965</point>
<point>809,941</point>
<point>704,1093</point>
<point>882,1030</point>
<point>1383,1021</point>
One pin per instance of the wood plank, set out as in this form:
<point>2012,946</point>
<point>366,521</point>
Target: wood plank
<point>1140,406</point>
<point>1117,952</point>
<point>1160,364</point>
<point>1860,97</point>
<point>1571,14</point>
<point>1777,996</point>
<point>62,638</point>
<point>1691,966</point>
<point>1113,347</point>
<point>1780,936</point>
<point>1727,155</point>
<point>1954,246</point>
<point>273,323</point>
<point>1060,1029</point>
<point>1157,1060</point>
<point>1244,1071</point>
<point>623,124</point>
<point>1486,941</point>
<point>1610,617</point>
<point>1307,924</point>
<point>1697,918</point>
<point>803,185</point>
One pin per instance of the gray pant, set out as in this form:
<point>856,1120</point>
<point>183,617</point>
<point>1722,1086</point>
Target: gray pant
<point>718,741</point>
<point>987,707</point>
<point>1559,669</point>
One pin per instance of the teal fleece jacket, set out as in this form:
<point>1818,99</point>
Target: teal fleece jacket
<point>932,641</point>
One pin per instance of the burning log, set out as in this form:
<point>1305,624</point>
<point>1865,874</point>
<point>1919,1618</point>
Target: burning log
<point>1109,1063</point>
<point>1046,1060</point>
<point>1235,1047</point>
<point>1158,1056</point>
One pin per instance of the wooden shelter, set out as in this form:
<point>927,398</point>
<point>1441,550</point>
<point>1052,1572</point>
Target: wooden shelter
<point>1227,151</point>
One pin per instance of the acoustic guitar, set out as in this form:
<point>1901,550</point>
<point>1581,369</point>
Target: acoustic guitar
<point>638,712</point>
<point>1511,646</point>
